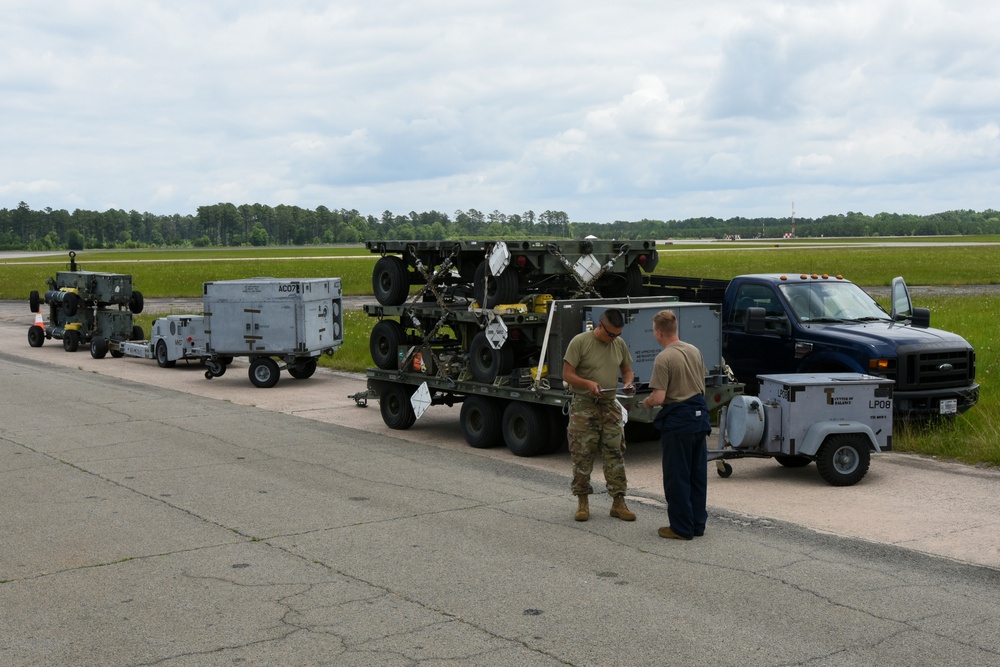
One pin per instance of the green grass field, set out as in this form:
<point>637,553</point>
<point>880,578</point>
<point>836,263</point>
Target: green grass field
<point>972,438</point>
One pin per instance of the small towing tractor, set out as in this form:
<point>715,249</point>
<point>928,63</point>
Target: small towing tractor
<point>86,308</point>
<point>279,323</point>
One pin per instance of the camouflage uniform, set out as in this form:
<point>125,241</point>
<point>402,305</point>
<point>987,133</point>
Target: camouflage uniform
<point>596,428</point>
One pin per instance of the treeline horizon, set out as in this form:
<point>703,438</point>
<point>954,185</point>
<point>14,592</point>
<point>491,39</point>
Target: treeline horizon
<point>228,225</point>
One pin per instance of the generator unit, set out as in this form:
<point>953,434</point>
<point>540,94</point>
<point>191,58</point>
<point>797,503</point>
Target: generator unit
<point>834,419</point>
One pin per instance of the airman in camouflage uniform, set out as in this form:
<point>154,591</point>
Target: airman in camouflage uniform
<point>591,366</point>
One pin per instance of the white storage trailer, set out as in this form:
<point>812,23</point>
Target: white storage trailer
<point>279,323</point>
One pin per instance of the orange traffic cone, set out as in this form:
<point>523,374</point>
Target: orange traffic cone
<point>39,320</point>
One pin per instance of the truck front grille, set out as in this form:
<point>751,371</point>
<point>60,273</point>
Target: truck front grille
<point>935,367</point>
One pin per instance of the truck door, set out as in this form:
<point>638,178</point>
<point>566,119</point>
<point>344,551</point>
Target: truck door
<point>752,354</point>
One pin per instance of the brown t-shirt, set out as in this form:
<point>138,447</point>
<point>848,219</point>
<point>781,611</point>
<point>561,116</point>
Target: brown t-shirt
<point>679,369</point>
<point>598,361</point>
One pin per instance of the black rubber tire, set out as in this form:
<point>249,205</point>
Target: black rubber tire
<point>138,333</point>
<point>263,372</point>
<point>161,354</point>
<point>390,281</point>
<point>36,337</point>
<point>843,459</point>
<point>793,461</point>
<point>384,342</point>
<point>117,354</point>
<point>525,429</point>
<point>136,304</point>
<point>71,304</point>
<point>725,471</point>
<point>34,301</point>
<point>486,363</point>
<point>482,421</point>
<point>71,341</point>
<point>394,404</point>
<point>98,347</point>
<point>499,289</point>
<point>303,370</point>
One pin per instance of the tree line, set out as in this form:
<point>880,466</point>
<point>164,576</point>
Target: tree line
<point>226,224</point>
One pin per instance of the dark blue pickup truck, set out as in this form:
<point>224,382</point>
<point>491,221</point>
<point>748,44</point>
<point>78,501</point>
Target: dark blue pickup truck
<point>795,323</point>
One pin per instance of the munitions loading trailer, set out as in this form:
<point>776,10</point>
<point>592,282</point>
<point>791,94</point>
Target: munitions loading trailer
<point>86,307</point>
<point>489,325</point>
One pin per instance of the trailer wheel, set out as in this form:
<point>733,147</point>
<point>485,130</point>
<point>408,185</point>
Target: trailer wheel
<point>137,333</point>
<point>384,342</point>
<point>36,337</point>
<point>724,469</point>
<point>263,372</point>
<point>71,303</point>
<point>34,301</point>
<point>117,354</point>
<point>71,341</point>
<point>843,459</point>
<point>497,289</point>
<point>793,461</point>
<point>135,304</point>
<point>487,364</point>
<point>162,358</point>
<point>525,429</point>
<point>394,404</point>
<point>390,283</point>
<point>303,370</point>
<point>98,347</point>
<point>481,420</point>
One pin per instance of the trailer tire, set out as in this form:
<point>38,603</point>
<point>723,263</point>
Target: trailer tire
<point>98,347</point>
<point>488,364</point>
<point>162,357</point>
<point>843,459</point>
<point>793,461</point>
<point>525,429</point>
<point>71,341</point>
<point>390,282</point>
<point>394,404</point>
<point>136,304</point>
<point>384,342</point>
<point>71,303</point>
<point>36,337</point>
<point>263,372</point>
<point>117,354</point>
<point>303,370</point>
<point>34,301</point>
<point>481,420</point>
<point>498,289</point>
<point>725,471</point>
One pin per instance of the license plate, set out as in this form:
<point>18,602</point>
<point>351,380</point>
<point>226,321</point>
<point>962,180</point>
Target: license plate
<point>949,406</point>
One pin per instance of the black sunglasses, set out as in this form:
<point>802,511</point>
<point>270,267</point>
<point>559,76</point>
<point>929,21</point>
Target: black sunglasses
<point>611,334</point>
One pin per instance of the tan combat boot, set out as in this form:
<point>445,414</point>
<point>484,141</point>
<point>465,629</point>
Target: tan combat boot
<point>582,508</point>
<point>620,510</point>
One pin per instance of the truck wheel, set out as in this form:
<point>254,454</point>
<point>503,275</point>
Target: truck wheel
<point>390,282</point>
<point>162,358</point>
<point>487,364</point>
<point>793,461</point>
<point>497,289</point>
<point>525,429</point>
<point>71,341</point>
<point>135,304</point>
<point>384,342</point>
<point>34,301</point>
<point>263,372</point>
<point>481,420</point>
<point>36,337</point>
<point>843,459</point>
<point>394,404</point>
<point>98,347</point>
<point>303,370</point>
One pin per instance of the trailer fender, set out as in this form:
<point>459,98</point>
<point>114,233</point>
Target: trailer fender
<point>817,434</point>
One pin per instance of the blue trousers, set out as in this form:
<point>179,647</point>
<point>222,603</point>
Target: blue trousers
<point>685,481</point>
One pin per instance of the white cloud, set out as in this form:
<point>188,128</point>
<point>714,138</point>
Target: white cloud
<point>604,110</point>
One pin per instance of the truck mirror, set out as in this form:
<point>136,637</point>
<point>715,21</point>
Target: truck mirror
<point>921,317</point>
<point>902,306</point>
<point>756,322</point>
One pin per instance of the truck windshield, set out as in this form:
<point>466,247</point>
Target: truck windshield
<point>832,302</point>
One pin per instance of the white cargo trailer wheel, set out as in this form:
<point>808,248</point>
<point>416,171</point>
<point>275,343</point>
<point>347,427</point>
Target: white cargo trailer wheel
<point>263,372</point>
<point>843,459</point>
<point>302,369</point>
<point>163,359</point>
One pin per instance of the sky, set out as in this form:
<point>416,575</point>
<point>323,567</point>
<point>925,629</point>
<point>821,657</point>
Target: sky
<point>607,111</point>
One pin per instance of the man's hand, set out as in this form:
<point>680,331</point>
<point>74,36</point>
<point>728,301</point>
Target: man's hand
<point>629,389</point>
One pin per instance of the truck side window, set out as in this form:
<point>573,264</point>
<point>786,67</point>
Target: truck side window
<point>755,296</point>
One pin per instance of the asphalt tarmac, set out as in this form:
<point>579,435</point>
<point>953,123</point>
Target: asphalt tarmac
<point>151,516</point>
